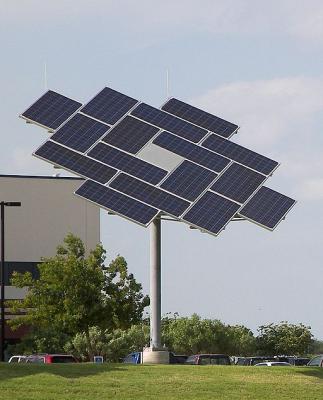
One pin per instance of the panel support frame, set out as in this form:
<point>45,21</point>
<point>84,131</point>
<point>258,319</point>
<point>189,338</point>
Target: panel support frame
<point>155,284</point>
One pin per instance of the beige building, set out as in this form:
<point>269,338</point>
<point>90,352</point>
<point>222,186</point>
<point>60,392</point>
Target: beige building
<point>49,211</point>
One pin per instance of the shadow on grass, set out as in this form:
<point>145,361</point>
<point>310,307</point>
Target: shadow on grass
<point>315,372</point>
<point>68,371</point>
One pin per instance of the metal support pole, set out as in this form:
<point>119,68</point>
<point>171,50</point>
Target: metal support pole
<point>2,286</point>
<point>155,284</point>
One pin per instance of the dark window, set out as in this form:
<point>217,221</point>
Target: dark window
<point>204,361</point>
<point>21,267</point>
<point>220,361</point>
<point>62,359</point>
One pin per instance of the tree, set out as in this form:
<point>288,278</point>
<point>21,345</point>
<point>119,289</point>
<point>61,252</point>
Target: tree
<point>124,294</point>
<point>68,296</point>
<point>75,292</point>
<point>194,335</point>
<point>316,347</point>
<point>284,338</point>
<point>241,340</point>
<point>113,346</point>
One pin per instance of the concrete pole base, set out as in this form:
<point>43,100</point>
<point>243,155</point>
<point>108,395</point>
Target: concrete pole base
<point>155,356</point>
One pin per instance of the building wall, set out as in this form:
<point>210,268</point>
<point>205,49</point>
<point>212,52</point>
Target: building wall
<point>49,211</point>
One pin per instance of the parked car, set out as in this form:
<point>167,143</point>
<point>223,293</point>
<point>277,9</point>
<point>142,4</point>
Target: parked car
<point>133,358</point>
<point>316,361</point>
<point>298,361</point>
<point>255,360</point>
<point>274,364</point>
<point>208,359</point>
<point>51,358</point>
<point>17,359</point>
<point>177,358</point>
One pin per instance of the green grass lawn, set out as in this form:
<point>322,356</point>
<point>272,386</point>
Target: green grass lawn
<point>118,381</point>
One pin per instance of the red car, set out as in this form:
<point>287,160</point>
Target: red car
<point>51,358</point>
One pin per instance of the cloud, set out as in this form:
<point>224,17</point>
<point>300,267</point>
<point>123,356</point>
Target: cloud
<point>267,110</point>
<point>279,118</point>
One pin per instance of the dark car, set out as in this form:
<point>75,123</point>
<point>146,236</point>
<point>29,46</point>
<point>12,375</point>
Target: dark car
<point>136,358</point>
<point>51,358</point>
<point>298,361</point>
<point>177,358</point>
<point>208,359</point>
<point>316,361</point>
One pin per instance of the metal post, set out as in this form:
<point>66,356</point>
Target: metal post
<point>155,284</point>
<point>2,285</point>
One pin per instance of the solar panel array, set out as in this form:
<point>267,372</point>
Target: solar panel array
<point>213,181</point>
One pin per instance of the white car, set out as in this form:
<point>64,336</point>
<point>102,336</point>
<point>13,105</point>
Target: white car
<point>17,359</point>
<point>273,364</point>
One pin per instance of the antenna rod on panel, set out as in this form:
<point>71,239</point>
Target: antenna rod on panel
<point>45,76</point>
<point>167,83</point>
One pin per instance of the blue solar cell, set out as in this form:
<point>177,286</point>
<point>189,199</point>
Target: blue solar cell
<point>188,180</point>
<point>127,163</point>
<point>109,106</point>
<point>80,133</point>
<point>149,194</point>
<point>117,202</point>
<point>238,183</point>
<point>191,151</point>
<point>211,212</point>
<point>74,162</point>
<point>200,117</point>
<point>240,154</point>
<point>51,110</point>
<point>267,207</point>
<point>169,122</point>
<point>130,134</point>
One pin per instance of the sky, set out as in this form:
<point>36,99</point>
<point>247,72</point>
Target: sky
<point>255,63</point>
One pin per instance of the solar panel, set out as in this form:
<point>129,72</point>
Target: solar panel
<point>149,194</point>
<point>109,106</point>
<point>74,162</point>
<point>169,122</point>
<point>117,202</point>
<point>200,118</point>
<point>240,154</point>
<point>130,134</point>
<point>51,110</point>
<point>121,146</point>
<point>191,151</point>
<point>267,207</point>
<point>80,133</point>
<point>211,212</point>
<point>127,163</point>
<point>188,180</point>
<point>238,183</point>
